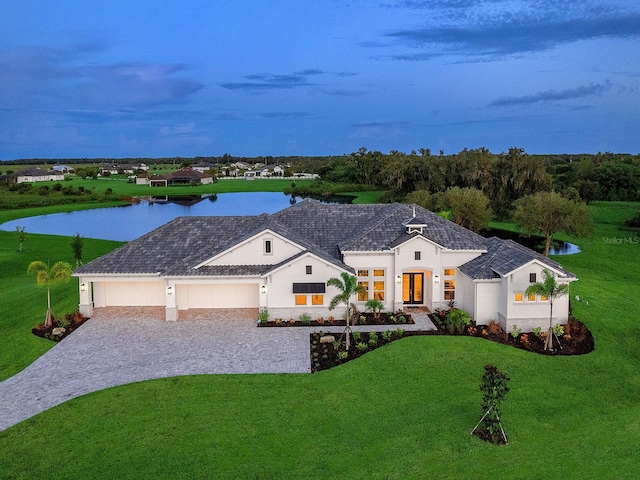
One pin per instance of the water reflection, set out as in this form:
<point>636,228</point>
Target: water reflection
<point>558,247</point>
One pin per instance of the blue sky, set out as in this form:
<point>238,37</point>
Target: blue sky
<point>300,77</point>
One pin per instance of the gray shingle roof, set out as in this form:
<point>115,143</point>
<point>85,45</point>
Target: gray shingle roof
<point>323,230</point>
<point>503,257</point>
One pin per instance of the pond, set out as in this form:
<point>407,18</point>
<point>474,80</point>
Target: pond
<point>558,247</point>
<point>128,222</point>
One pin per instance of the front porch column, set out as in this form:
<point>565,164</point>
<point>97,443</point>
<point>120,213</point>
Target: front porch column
<point>171,309</point>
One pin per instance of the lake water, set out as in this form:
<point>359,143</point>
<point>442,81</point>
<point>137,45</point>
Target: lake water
<point>558,247</point>
<point>131,221</point>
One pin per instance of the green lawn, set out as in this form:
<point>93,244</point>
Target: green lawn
<point>402,411</point>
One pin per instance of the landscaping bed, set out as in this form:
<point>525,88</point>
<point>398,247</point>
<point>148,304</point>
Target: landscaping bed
<point>60,328</point>
<point>365,318</point>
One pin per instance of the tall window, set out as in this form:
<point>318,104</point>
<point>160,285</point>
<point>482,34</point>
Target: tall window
<point>372,282</point>
<point>309,269</point>
<point>449,284</point>
<point>418,255</point>
<point>532,278</point>
<point>268,246</point>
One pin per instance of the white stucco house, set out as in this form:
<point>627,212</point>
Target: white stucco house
<point>38,175</point>
<point>402,254</point>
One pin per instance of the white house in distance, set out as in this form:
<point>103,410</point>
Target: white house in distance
<point>403,255</point>
<point>38,175</point>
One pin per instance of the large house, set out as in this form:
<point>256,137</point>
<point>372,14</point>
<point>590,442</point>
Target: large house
<point>38,175</point>
<point>403,255</point>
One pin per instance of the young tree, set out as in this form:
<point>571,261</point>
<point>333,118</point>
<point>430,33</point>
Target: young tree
<point>348,286</point>
<point>48,277</point>
<point>469,207</point>
<point>494,388</point>
<point>76,246</point>
<point>549,213</point>
<point>552,290</point>
<point>21,233</point>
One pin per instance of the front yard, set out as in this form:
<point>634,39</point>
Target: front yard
<point>402,411</point>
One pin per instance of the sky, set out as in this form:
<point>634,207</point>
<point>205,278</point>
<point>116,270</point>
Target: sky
<point>87,79</point>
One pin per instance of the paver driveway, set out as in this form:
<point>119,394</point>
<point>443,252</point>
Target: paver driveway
<point>119,346</point>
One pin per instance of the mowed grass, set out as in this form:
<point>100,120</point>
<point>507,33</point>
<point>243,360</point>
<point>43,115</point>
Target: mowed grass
<point>402,411</point>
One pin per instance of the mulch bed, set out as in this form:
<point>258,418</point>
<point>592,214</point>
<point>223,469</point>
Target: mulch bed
<point>366,318</point>
<point>578,341</point>
<point>69,323</point>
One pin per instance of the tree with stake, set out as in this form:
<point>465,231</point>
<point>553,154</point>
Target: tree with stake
<point>21,233</point>
<point>552,290</point>
<point>48,277</point>
<point>348,287</point>
<point>76,246</point>
<point>494,388</point>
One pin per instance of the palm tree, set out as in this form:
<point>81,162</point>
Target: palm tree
<point>48,277</point>
<point>550,289</point>
<point>348,286</point>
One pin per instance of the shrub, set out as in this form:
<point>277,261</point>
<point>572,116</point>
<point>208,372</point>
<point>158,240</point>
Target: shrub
<point>356,335</point>
<point>362,319</point>
<point>399,332</point>
<point>458,320</point>
<point>263,316</point>
<point>361,346</point>
<point>515,331</point>
<point>494,328</point>
<point>343,354</point>
<point>558,330</point>
<point>386,335</point>
<point>537,332</point>
<point>375,306</point>
<point>336,344</point>
<point>373,339</point>
<point>402,319</point>
<point>305,318</point>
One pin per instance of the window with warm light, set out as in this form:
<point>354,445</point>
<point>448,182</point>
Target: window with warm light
<point>449,272</point>
<point>363,273</point>
<point>518,297</point>
<point>317,299</point>
<point>378,290</point>
<point>378,273</point>
<point>301,299</point>
<point>531,297</point>
<point>363,295</point>
<point>544,298</point>
<point>449,289</point>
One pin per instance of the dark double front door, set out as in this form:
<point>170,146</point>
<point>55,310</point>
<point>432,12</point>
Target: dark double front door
<point>413,288</point>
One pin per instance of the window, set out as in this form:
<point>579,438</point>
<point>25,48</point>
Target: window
<point>531,297</point>
<point>378,290</point>
<point>363,295</point>
<point>449,289</point>
<point>301,299</point>
<point>532,278</point>
<point>449,272</point>
<point>518,296</point>
<point>418,255</point>
<point>363,273</point>
<point>543,298</point>
<point>309,287</point>
<point>378,273</point>
<point>317,299</point>
<point>268,247</point>
<point>309,269</point>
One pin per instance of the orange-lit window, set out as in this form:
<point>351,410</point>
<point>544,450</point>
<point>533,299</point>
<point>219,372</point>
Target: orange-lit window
<point>317,299</point>
<point>543,298</point>
<point>363,273</point>
<point>378,290</point>
<point>531,297</point>
<point>363,295</point>
<point>518,297</point>
<point>301,299</point>
<point>449,272</point>
<point>449,289</point>
<point>378,273</point>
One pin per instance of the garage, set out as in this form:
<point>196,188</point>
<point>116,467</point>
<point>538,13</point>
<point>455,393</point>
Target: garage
<point>129,294</point>
<point>237,295</point>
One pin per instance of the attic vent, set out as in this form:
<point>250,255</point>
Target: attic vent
<point>414,228</point>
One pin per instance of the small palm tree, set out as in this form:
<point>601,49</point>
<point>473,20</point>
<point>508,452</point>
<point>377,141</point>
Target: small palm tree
<point>550,289</point>
<point>375,306</point>
<point>48,277</point>
<point>348,286</point>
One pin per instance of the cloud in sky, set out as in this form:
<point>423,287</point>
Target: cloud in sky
<point>267,81</point>
<point>505,31</point>
<point>553,95</point>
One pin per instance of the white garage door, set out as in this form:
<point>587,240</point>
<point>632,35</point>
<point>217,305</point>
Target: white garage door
<point>218,296</point>
<point>133,294</point>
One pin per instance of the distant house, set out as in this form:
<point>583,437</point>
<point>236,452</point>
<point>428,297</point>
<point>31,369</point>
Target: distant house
<point>63,169</point>
<point>202,167</point>
<point>38,175</point>
<point>278,170</point>
<point>184,176</point>
<point>141,167</point>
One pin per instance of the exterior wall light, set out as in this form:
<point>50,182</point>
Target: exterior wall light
<point>436,279</point>
<point>398,279</point>
<point>83,287</point>
<point>169,290</point>
<point>263,289</point>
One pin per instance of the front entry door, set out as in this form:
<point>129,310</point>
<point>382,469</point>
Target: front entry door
<point>412,288</point>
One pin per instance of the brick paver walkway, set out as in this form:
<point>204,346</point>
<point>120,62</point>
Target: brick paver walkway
<point>125,345</point>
